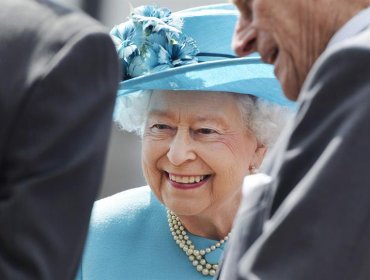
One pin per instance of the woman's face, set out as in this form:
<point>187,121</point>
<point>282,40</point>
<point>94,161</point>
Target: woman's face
<point>197,150</point>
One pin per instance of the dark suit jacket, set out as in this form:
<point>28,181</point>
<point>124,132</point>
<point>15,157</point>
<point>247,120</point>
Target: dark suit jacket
<point>58,79</point>
<point>318,224</point>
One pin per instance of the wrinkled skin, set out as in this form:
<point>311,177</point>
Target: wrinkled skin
<point>192,134</point>
<point>290,34</point>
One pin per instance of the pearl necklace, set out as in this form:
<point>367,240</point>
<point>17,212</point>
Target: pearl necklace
<point>196,257</point>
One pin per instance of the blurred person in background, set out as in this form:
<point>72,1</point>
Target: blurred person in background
<point>59,75</point>
<point>206,120</point>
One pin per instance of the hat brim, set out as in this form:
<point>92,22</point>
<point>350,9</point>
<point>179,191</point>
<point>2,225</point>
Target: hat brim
<point>248,75</point>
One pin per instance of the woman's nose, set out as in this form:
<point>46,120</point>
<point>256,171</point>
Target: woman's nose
<point>181,149</point>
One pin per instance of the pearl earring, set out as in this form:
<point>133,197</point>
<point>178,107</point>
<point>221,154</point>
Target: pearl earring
<point>253,169</point>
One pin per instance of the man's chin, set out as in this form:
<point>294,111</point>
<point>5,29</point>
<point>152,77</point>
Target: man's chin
<point>291,89</point>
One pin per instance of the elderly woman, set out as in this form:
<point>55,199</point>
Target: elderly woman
<point>206,120</point>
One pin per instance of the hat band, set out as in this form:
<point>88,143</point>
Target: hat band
<point>213,56</point>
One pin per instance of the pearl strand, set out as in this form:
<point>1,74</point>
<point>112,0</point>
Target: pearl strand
<point>195,256</point>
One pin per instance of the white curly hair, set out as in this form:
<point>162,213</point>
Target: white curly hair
<point>265,119</point>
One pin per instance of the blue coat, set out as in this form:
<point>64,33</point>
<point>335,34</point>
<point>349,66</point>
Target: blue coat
<point>129,238</point>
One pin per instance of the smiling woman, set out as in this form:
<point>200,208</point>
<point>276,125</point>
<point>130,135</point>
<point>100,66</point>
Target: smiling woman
<point>184,140</point>
<point>206,121</point>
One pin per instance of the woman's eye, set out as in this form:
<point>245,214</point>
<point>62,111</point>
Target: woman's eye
<point>160,126</point>
<point>206,131</point>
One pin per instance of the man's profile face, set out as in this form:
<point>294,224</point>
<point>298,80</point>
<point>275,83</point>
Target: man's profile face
<point>286,33</point>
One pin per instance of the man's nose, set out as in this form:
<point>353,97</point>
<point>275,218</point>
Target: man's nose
<point>181,148</point>
<point>244,38</point>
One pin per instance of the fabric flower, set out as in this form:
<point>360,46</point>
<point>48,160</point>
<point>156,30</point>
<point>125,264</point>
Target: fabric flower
<point>151,41</point>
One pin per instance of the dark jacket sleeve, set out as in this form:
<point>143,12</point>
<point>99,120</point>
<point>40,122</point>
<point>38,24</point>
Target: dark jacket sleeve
<point>320,228</point>
<point>54,156</point>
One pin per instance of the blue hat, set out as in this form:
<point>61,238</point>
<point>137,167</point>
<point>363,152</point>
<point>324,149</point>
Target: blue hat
<point>189,50</point>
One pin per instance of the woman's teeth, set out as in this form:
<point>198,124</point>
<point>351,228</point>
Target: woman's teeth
<point>186,179</point>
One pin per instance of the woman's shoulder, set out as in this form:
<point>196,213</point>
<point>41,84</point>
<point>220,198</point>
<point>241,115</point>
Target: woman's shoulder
<point>124,207</point>
<point>122,230</point>
<point>139,196</point>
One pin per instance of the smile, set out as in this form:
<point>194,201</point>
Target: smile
<point>186,179</point>
<point>273,55</point>
<point>187,182</point>
<point>270,58</point>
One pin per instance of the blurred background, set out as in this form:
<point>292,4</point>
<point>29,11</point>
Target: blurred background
<point>123,169</point>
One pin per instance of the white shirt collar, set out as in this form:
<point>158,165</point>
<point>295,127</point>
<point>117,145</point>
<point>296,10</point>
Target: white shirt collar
<point>354,26</point>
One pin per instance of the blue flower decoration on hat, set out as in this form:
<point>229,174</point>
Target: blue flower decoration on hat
<point>152,41</point>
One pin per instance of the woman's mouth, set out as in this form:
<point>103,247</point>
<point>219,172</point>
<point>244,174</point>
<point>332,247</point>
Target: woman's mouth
<point>187,181</point>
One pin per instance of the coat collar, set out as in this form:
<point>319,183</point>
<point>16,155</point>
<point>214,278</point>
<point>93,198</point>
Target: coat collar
<point>355,25</point>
